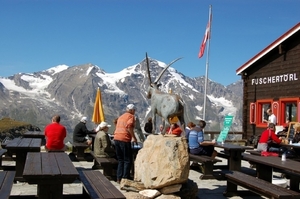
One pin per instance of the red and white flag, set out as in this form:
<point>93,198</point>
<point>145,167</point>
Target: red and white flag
<point>206,37</point>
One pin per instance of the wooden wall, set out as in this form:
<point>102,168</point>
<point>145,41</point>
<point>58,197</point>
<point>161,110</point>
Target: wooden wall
<point>279,61</point>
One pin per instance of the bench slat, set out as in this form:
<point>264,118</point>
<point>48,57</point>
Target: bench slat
<point>207,165</point>
<point>2,152</point>
<point>78,149</point>
<point>203,158</point>
<point>107,164</point>
<point>260,186</point>
<point>6,183</point>
<point>98,186</point>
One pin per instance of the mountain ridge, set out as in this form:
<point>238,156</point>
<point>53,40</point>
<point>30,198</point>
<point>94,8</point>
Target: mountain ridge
<point>70,92</point>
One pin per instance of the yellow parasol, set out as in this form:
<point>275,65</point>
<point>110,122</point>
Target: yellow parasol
<point>98,114</point>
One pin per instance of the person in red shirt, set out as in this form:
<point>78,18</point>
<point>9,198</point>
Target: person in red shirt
<point>55,134</point>
<point>268,133</point>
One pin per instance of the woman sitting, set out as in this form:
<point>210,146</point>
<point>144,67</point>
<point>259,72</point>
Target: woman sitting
<point>268,134</point>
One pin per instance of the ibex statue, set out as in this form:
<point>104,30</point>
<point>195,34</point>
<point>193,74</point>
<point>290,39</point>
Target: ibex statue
<point>165,105</point>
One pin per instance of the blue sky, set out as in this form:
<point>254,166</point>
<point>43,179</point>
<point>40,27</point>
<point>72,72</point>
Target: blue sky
<point>114,34</point>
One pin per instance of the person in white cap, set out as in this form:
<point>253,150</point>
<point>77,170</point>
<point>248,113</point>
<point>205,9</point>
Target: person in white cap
<point>123,136</point>
<point>81,132</point>
<point>102,144</point>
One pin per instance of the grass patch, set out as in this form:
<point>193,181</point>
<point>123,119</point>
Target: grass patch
<point>8,123</point>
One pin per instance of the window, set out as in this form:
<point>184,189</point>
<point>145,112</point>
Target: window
<point>285,110</point>
<point>288,110</point>
<point>262,107</point>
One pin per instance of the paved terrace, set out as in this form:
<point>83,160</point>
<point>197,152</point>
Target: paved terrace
<point>207,188</point>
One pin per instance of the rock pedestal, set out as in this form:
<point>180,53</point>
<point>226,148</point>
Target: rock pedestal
<point>163,161</point>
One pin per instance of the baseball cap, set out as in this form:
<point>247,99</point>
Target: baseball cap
<point>83,119</point>
<point>104,124</point>
<point>130,107</point>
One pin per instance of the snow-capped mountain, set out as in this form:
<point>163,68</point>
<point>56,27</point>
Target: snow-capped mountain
<point>70,92</point>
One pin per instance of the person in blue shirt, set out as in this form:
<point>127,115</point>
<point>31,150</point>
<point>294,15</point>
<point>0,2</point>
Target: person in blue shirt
<point>197,144</point>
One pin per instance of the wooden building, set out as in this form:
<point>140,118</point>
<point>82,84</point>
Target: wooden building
<point>271,79</point>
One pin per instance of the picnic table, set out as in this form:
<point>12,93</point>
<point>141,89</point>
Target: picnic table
<point>21,146</point>
<point>265,166</point>
<point>35,134</point>
<point>49,171</point>
<point>233,153</point>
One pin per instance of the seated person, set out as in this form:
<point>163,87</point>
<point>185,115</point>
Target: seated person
<point>188,128</point>
<point>81,132</point>
<point>296,138</point>
<point>284,131</point>
<point>161,129</point>
<point>148,127</point>
<point>197,145</point>
<point>103,147</point>
<point>174,129</point>
<point>263,141</point>
<point>55,134</point>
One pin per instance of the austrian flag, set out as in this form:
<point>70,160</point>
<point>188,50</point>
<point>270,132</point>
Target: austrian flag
<point>206,37</point>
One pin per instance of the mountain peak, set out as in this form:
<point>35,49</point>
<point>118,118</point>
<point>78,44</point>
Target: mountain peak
<point>70,92</point>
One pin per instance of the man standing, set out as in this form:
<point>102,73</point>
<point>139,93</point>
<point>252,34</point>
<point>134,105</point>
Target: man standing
<point>123,136</point>
<point>55,134</point>
<point>80,132</point>
<point>271,118</point>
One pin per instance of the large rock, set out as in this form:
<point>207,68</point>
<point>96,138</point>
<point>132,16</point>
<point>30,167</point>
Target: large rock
<point>163,161</point>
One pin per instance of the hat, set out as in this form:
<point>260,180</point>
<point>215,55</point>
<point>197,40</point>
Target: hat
<point>104,124</point>
<point>83,119</point>
<point>130,107</point>
<point>173,120</point>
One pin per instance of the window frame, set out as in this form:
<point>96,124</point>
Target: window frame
<point>259,112</point>
<point>283,102</point>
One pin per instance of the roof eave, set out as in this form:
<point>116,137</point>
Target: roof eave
<point>266,50</point>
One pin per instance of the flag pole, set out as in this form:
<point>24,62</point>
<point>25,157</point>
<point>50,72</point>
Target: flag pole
<point>207,62</point>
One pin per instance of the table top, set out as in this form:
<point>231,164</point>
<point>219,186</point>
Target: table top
<point>34,134</point>
<point>229,146</point>
<point>24,143</point>
<point>275,162</point>
<point>293,145</point>
<point>55,166</point>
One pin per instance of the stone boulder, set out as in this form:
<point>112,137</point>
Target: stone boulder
<point>163,161</point>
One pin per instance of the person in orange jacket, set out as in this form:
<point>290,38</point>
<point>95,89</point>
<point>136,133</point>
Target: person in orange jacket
<point>174,129</point>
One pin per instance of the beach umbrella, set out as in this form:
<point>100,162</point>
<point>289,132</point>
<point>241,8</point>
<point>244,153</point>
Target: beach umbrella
<point>98,114</point>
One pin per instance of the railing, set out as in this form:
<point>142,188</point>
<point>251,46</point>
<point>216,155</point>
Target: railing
<point>231,137</point>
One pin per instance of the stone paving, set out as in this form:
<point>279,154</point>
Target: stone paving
<point>207,188</point>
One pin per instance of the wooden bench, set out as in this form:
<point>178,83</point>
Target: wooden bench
<point>109,165</point>
<point>223,154</point>
<point>255,185</point>
<point>8,155</point>
<point>2,152</point>
<point>6,183</point>
<point>78,149</point>
<point>207,165</point>
<point>97,186</point>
